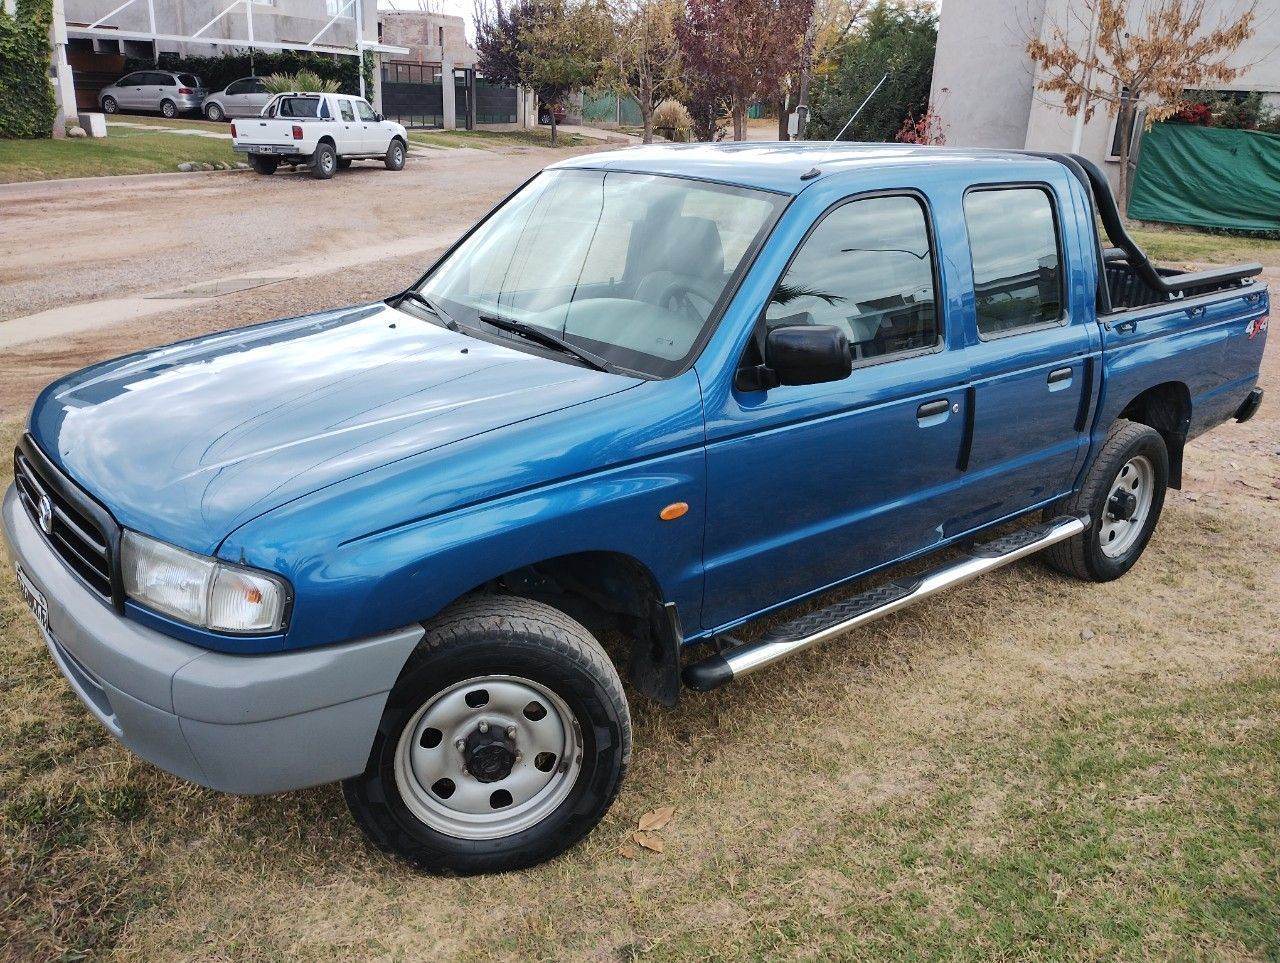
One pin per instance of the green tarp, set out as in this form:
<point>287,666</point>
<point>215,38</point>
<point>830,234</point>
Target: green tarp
<point>1208,177</point>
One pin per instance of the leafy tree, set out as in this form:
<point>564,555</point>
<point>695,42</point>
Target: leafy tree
<point>553,47</point>
<point>643,57</point>
<point>897,39</point>
<point>1150,62</point>
<point>741,48</point>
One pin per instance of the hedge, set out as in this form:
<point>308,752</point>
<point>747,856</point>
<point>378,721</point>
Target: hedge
<point>27,107</point>
<point>220,70</point>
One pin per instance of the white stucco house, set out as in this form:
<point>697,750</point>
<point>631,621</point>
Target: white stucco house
<point>984,84</point>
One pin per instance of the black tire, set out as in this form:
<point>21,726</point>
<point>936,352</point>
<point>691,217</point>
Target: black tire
<point>344,163</point>
<point>324,162</point>
<point>509,637</point>
<point>1084,556</point>
<point>214,113</point>
<point>109,105</point>
<point>263,164</point>
<point>169,109</point>
<point>395,155</point>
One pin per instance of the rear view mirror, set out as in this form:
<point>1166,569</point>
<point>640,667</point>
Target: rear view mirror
<point>801,354</point>
<point>808,354</point>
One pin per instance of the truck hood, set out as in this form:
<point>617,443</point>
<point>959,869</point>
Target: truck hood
<point>190,441</point>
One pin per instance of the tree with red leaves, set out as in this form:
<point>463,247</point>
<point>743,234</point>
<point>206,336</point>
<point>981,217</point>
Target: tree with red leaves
<point>745,45</point>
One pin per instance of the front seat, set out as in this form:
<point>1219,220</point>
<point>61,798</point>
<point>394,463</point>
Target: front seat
<point>687,274</point>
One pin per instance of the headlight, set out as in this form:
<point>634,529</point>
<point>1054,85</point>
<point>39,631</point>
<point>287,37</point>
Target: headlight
<point>201,591</point>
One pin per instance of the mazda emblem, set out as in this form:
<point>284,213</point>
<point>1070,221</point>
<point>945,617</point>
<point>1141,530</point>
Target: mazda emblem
<point>46,514</point>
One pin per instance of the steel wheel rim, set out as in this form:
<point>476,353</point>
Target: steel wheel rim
<point>327,162</point>
<point>397,156</point>
<point>1117,535</point>
<point>427,755</point>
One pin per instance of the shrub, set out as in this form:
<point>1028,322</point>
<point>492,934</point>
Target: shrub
<point>673,116</point>
<point>27,107</point>
<point>305,80</point>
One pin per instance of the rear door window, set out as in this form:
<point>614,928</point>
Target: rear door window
<point>161,80</point>
<point>1017,263</point>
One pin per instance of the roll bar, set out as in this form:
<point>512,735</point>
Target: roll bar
<point>1104,203</point>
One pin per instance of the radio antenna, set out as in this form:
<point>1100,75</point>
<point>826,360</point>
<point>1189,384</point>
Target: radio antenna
<point>813,171</point>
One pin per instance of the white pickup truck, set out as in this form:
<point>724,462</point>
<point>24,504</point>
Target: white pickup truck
<point>324,132</point>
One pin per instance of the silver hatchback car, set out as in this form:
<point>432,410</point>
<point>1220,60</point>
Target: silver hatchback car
<point>241,98</point>
<point>158,91</point>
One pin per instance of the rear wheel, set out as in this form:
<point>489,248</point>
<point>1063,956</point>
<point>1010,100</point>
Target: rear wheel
<point>263,164</point>
<point>324,162</point>
<point>169,108</point>
<point>395,156</point>
<point>214,112</point>
<point>109,105</point>
<point>1123,493</point>
<point>504,742</point>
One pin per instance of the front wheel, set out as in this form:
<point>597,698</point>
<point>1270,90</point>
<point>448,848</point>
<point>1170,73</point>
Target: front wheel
<point>109,105</point>
<point>1123,493</point>
<point>504,742</point>
<point>395,156</point>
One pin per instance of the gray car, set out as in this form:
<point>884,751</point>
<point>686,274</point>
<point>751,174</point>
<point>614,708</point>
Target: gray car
<point>241,98</point>
<point>157,91</point>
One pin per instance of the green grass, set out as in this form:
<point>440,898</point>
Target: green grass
<point>1186,244</point>
<point>485,139</point>
<point>188,121</point>
<point>122,151</point>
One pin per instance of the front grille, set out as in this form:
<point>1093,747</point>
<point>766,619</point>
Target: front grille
<point>83,534</point>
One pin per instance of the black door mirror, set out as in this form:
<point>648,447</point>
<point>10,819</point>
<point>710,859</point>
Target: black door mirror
<point>803,354</point>
<point>378,118</point>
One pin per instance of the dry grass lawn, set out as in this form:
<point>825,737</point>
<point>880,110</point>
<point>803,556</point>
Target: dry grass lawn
<point>1030,768</point>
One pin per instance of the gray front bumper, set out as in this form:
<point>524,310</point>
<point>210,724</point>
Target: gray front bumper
<point>236,723</point>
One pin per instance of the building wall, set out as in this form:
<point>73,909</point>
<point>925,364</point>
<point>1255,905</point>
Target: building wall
<point>982,77</point>
<point>984,82</point>
<point>422,33</point>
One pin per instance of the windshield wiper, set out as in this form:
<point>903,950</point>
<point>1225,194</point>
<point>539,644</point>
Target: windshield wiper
<point>415,295</point>
<point>549,340</point>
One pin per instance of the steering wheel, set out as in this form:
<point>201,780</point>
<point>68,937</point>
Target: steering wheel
<point>677,297</point>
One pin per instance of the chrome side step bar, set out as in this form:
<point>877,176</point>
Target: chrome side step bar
<point>838,618</point>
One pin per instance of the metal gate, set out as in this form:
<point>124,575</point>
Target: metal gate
<point>411,94</point>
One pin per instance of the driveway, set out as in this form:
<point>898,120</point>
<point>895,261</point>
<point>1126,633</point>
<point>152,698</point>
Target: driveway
<point>82,265</point>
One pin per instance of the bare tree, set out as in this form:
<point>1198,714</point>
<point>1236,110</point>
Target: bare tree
<point>1145,53</point>
<point>644,58</point>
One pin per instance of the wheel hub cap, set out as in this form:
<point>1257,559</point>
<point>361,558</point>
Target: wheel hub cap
<point>490,758</point>
<point>1122,506</point>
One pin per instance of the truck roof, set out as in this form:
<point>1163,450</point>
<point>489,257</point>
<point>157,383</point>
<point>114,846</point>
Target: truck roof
<point>778,167</point>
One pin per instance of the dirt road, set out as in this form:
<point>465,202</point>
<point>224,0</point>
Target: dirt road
<point>97,242</point>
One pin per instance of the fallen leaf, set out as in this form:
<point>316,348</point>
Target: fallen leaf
<point>651,822</point>
<point>651,841</point>
<point>629,851</point>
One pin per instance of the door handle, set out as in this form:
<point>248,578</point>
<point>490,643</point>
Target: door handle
<point>931,408</point>
<point>1059,375</point>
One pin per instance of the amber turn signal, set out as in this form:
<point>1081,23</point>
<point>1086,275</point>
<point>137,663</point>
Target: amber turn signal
<point>673,511</point>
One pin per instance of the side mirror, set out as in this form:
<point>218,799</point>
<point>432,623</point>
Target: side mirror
<point>802,354</point>
<point>378,118</point>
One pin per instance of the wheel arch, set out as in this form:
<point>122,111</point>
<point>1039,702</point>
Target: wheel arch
<point>1166,408</point>
<point>608,590</point>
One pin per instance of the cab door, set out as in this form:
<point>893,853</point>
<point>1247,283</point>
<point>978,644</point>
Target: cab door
<point>810,485</point>
<point>375,135</point>
<point>1035,355</point>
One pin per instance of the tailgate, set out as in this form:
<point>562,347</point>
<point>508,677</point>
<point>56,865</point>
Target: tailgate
<point>261,131</point>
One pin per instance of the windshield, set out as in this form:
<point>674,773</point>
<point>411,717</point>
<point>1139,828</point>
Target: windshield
<point>627,266</point>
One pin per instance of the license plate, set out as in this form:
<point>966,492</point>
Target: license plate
<point>34,599</point>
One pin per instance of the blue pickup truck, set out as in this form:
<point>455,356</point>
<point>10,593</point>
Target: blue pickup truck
<point>652,397</point>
